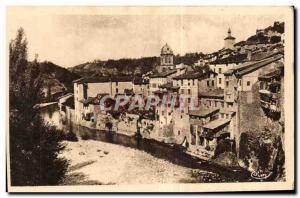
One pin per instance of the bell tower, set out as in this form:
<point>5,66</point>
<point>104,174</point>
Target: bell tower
<point>166,58</point>
<point>229,41</point>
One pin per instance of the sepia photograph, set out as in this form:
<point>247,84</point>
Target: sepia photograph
<point>149,99</point>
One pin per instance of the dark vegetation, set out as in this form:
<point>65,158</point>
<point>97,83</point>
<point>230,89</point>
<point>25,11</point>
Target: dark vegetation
<point>127,66</point>
<point>64,76</point>
<point>34,146</point>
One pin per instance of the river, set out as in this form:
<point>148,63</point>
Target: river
<point>172,164</point>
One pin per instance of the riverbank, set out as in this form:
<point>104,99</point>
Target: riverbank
<point>96,162</point>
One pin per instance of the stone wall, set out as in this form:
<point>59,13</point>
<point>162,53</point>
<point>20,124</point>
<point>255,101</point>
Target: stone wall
<point>260,143</point>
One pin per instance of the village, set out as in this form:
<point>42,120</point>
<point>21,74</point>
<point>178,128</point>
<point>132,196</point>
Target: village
<point>237,89</point>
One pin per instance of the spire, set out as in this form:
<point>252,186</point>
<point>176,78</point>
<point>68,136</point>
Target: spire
<point>229,32</point>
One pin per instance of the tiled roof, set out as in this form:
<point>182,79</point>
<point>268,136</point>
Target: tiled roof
<point>258,65</point>
<point>96,79</point>
<point>251,66</point>
<point>163,74</point>
<point>196,74</point>
<point>216,123</point>
<point>203,112</point>
<point>215,93</point>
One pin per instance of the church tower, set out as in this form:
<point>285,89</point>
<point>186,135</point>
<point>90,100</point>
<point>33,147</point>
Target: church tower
<point>166,58</point>
<point>229,41</point>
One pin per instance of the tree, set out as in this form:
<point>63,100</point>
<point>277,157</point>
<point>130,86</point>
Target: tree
<point>275,39</point>
<point>34,146</point>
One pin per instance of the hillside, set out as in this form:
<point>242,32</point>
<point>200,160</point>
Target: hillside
<point>56,80</point>
<point>128,66</point>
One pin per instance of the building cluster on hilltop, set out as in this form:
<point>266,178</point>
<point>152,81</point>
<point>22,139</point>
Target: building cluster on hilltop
<point>236,88</point>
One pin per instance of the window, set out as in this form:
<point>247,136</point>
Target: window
<point>240,81</point>
<point>189,91</point>
<point>178,132</point>
<point>193,82</point>
<point>189,100</point>
<point>182,91</point>
<point>117,83</point>
<point>207,82</point>
<point>117,90</point>
<point>222,104</point>
<point>212,83</point>
<point>189,84</point>
<point>248,83</point>
<point>227,84</point>
<point>220,70</point>
<point>220,80</point>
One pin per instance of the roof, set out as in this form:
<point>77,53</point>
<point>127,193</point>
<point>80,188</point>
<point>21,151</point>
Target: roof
<point>66,95</point>
<point>237,58</point>
<point>166,49</point>
<point>239,67</point>
<point>215,93</point>
<point>229,38</point>
<point>197,75</point>
<point>258,65</point>
<point>196,122</point>
<point>203,112</point>
<point>251,66</point>
<point>216,123</point>
<point>98,79</point>
<point>163,74</point>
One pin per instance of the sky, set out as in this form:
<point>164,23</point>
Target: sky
<point>69,40</point>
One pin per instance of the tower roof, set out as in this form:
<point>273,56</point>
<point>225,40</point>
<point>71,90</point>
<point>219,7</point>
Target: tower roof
<point>166,49</point>
<point>229,31</point>
<point>229,37</point>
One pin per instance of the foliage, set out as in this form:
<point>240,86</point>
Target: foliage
<point>258,39</point>
<point>223,146</point>
<point>70,136</point>
<point>129,66</point>
<point>275,39</point>
<point>34,146</point>
<point>34,149</point>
